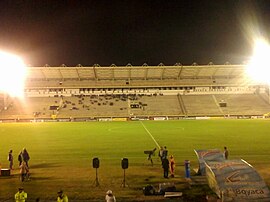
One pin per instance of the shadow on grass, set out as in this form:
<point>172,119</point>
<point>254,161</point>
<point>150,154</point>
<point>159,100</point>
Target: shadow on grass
<point>44,165</point>
<point>11,176</point>
<point>41,178</point>
<point>7,199</point>
<point>32,178</point>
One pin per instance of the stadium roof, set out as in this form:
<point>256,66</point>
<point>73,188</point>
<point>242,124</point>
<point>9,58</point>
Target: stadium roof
<point>130,72</point>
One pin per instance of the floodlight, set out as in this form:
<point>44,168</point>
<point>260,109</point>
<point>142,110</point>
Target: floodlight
<point>258,68</point>
<point>12,74</point>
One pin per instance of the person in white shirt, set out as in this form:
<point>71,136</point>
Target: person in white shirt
<point>109,196</point>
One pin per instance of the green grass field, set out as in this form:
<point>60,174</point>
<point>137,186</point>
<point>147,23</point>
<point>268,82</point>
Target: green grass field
<point>61,154</point>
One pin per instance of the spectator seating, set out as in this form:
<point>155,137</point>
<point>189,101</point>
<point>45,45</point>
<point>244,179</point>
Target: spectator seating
<point>148,104</point>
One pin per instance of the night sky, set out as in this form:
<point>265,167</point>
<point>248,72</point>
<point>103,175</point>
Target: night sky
<point>148,31</point>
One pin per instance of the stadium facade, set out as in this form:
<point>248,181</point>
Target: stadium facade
<point>137,92</point>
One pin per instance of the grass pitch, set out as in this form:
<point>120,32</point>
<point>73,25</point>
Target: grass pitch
<point>61,154</point>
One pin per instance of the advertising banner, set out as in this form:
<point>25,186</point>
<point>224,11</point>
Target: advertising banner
<point>119,119</point>
<point>160,118</point>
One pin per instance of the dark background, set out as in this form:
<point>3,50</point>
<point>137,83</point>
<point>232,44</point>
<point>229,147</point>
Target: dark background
<point>130,31</point>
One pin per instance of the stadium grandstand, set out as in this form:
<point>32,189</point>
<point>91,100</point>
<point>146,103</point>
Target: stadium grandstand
<point>136,92</point>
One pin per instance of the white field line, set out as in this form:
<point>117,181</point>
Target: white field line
<point>150,134</point>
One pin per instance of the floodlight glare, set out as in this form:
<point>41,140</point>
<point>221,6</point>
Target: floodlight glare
<point>12,74</point>
<point>258,67</point>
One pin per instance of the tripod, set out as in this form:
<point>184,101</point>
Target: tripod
<point>124,180</point>
<point>96,182</point>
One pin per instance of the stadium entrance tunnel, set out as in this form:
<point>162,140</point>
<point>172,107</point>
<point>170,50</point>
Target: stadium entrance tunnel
<point>231,180</point>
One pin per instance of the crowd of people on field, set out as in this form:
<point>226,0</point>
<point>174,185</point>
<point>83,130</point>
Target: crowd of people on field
<point>23,159</point>
<point>168,165</point>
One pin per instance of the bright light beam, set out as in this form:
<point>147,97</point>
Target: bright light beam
<point>258,68</point>
<point>12,74</point>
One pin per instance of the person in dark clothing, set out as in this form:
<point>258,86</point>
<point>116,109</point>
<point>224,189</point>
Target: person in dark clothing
<point>25,156</point>
<point>20,158</point>
<point>160,154</point>
<point>226,153</point>
<point>10,159</point>
<point>165,153</point>
<point>151,153</point>
<point>165,166</point>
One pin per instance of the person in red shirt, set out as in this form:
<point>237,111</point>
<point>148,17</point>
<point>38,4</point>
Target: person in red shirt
<point>172,165</point>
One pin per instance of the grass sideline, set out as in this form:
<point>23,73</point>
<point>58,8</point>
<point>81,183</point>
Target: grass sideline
<point>61,154</point>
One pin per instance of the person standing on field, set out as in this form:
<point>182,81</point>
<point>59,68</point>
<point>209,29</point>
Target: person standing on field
<point>165,153</point>
<point>10,159</point>
<point>226,153</point>
<point>165,166</point>
<point>172,165</point>
<point>25,156</point>
<point>160,154</point>
<point>20,158</point>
